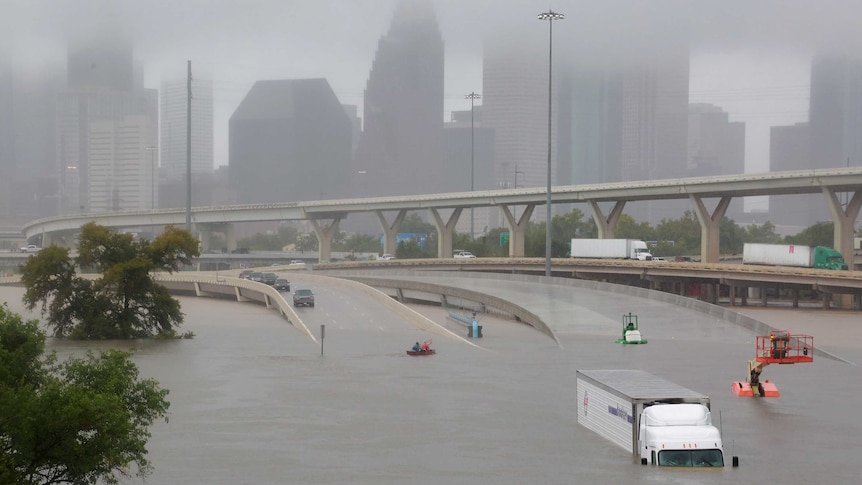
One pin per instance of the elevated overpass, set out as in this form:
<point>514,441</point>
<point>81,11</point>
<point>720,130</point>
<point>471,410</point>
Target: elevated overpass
<point>325,215</point>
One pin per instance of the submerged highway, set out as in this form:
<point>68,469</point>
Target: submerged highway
<point>254,401</point>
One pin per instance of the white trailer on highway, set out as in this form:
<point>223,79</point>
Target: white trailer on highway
<point>610,249</point>
<point>659,422</point>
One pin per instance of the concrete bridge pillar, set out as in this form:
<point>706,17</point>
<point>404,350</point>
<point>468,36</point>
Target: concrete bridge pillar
<point>206,235</point>
<point>230,237</point>
<point>845,222</point>
<point>517,229</point>
<point>47,239</point>
<point>709,224</point>
<point>390,232</point>
<point>607,225</point>
<point>324,235</point>
<point>444,231</point>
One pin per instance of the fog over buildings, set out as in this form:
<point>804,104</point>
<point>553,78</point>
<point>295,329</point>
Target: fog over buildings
<point>642,89</point>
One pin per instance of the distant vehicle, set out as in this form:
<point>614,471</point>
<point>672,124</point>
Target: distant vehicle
<point>256,276</point>
<point>281,284</point>
<point>610,249</point>
<point>268,278</point>
<point>297,262</point>
<point>240,251</point>
<point>658,258</point>
<point>385,257</point>
<point>30,248</point>
<point>245,274</point>
<point>682,259</point>
<point>463,255</point>
<point>793,255</point>
<point>303,297</point>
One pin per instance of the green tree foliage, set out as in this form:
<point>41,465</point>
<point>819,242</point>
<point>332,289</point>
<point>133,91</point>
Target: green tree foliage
<point>731,237</point>
<point>762,234</point>
<point>820,234</point>
<point>124,302</point>
<point>628,228</point>
<point>684,232</point>
<point>287,234</point>
<point>358,242</point>
<point>83,421</point>
<point>306,242</point>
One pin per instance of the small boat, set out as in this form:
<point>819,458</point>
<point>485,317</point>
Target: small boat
<point>421,352</point>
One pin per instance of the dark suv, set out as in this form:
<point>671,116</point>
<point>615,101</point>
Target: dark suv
<point>268,278</point>
<point>281,284</point>
<point>303,298</point>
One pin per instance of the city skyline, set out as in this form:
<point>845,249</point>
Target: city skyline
<point>767,84</point>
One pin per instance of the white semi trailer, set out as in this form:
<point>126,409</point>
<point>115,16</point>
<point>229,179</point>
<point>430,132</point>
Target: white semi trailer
<point>659,422</point>
<point>610,248</point>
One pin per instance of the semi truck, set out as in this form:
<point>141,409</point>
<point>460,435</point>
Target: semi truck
<point>610,248</point>
<point>659,422</point>
<point>793,255</point>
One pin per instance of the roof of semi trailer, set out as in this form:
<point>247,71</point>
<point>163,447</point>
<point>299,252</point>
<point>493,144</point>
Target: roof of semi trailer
<point>641,385</point>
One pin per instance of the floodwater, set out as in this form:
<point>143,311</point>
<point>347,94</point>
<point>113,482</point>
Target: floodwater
<point>253,401</point>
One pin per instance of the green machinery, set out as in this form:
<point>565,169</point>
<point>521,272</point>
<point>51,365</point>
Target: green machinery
<point>631,333</point>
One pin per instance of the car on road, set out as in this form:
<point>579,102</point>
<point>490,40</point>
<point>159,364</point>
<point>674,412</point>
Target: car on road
<point>268,278</point>
<point>463,255</point>
<point>281,284</point>
<point>297,262</point>
<point>30,248</point>
<point>385,257</point>
<point>303,297</point>
<point>245,274</point>
<point>256,276</point>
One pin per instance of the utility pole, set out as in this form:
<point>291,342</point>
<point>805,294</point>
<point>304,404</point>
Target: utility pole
<point>473,96</point>
<point>189,152</point>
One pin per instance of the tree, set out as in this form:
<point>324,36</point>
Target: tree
<point>84,421</point>
<point>764,233</point>
<point>124,302</point>
<point>684,232</point>
<point>820,234</point>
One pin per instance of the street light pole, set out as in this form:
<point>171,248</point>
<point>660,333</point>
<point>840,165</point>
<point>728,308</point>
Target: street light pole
<point>550,16</point>
<point>473,96</point>
<point>515,208</point>
<point>152,151</point>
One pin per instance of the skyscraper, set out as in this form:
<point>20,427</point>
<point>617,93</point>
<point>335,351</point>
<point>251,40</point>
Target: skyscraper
<point>655,128</point>
<point>401,146</point>
<point>7,150</point>
<point>290,140</point>
<point>101,87</point>
<point>790,149</point>
<point>514,83</point>
<point>716,146</point>
<point>835,113</point>
<point>121,176</point>
<point>174,115</point>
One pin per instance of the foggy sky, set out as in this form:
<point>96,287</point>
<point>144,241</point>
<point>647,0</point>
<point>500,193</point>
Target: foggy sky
<point>749,56</point>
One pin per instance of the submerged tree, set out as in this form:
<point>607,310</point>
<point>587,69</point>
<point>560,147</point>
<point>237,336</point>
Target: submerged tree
<point>83,421</point>
<point>124,302</point>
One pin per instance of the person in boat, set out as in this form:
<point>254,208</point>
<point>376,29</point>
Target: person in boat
<point>426,347</point>
<point>417,347</point>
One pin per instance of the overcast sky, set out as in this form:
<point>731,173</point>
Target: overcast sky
<point>749,56</point>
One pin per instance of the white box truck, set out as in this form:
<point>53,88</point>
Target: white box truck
<point>610,248</point>
<point>793,255</point>
<point>659,422</point>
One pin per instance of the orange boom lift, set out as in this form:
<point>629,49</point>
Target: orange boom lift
<point>779,347</point>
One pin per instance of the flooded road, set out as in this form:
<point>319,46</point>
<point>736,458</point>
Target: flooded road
<point>254,402</point>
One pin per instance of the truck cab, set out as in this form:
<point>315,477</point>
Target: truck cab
<point>679,435</point>
<point>639,251</point>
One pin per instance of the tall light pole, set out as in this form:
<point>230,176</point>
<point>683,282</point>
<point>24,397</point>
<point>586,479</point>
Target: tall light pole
<point>550,16</point>
<point>152,151</point>
<point>515,208</point>
<point>473,96</point>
